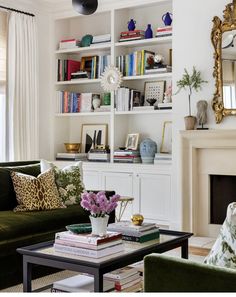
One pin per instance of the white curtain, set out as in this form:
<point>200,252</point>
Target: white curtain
<point>22,88</point>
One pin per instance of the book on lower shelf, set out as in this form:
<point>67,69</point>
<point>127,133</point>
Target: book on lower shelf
<point>80,283</point>
<point>165,105</point>
<point>71,156</point>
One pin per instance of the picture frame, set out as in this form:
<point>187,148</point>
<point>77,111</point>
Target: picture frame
<point>132,141</point>
<point>154,90</point>
<point>93,135</point>
<point>166,144</point>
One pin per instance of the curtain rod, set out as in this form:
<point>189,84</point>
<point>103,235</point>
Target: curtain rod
<point>16,10</point>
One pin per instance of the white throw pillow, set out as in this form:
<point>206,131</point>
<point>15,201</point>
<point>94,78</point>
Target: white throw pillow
<point>69,181</point>
<point>223,252</point>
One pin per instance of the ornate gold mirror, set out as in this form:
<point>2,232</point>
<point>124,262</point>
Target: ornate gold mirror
<point>223,37</point>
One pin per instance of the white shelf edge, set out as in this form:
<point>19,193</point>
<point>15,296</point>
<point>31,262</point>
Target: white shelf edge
<point>144,42</point>
<point>78,82</point>
<point>165,111</point>
<point>82,114</point>
<point>84,49</point>
<point>148,76</point>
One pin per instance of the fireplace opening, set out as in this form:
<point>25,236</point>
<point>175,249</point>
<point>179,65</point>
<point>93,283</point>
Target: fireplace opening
<point>222,193</point>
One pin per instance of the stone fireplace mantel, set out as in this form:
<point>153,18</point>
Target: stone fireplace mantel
<point>203,153</point>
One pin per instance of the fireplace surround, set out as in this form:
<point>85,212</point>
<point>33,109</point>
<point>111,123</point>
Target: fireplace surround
<point>203,154</point>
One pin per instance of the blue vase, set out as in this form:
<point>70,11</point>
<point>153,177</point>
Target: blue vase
<point>148,149</point>
<point>131,25</point>
<point>167,19</point>
<point>148,32</point>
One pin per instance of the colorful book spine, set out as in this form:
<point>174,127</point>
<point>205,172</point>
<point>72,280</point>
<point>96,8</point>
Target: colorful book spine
<point>143,238</point>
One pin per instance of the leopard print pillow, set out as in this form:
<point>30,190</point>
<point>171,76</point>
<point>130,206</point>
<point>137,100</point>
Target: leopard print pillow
<point>36,193</point>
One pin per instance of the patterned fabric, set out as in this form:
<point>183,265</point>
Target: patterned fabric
<point>223,252</point>
<point>36,193</point>
<point>68,181</point>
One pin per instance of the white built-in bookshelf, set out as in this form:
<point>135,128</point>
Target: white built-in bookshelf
<point>148,123</point>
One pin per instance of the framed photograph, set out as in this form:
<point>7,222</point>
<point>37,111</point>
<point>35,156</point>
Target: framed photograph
<point>132,141</point>
<point>93,135</point>
<point>135,99</point>
<point>166,144</point>
<point>154,90</point>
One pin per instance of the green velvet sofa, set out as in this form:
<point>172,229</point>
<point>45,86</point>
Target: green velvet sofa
<point>26,228</point>
<point>168,274</point>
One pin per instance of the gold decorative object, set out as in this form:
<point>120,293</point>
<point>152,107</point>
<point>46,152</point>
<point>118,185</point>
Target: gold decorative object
<point>137,219</point>
<point>72,147</point>
<point>220,27</point>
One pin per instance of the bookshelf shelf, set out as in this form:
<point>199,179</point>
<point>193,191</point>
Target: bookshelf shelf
<point>149,76</point>
<point>83,114</point>
<point>144,42</point>
<point>139,112</point>
<point>97,47</point>
<point>79,82</point>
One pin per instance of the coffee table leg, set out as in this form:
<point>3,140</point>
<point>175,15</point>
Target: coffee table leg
<point>98,281</point>
<point>27,276</point>
<point>184,249</point>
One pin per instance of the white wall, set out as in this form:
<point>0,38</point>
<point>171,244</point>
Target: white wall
<point>192,47</point>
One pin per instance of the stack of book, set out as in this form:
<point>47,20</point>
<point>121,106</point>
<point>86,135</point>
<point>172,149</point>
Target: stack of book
<point>161,69</point>
<point>88,245</point>
<point>69,44</point>
<point>132,35</point>
<point>65,68</point>
<point>80,283</point>
<point>164,31</point>
<point>130,232</point>
<point>69,102</point>
<point>126,279</point>
<point>101,38</point>
<point>71,156</point>
<point>162,158</point>
<point>134,63</point>
<point>165,105</point>
<point>79,75</point>
<point>127,156</point>
<point>99,155</point>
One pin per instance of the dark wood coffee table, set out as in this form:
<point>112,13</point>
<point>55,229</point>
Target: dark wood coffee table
<point>44,254</point>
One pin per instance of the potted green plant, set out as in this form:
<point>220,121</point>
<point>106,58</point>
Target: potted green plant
<point>190,82</point>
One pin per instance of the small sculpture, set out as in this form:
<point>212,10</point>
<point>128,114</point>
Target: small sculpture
<point>131,25</point>
<point>202,113</point>
<point>148,32</point>
<point>167,18</point>
<point>137,219</point>
<point>168,95</point>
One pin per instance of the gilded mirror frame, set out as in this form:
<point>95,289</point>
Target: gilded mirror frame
<point>219,27</point>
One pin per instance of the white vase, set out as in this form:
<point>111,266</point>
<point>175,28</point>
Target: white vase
<point>99,225</point>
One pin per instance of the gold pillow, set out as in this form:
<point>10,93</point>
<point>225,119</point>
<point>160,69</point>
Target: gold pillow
<point>36,193</point>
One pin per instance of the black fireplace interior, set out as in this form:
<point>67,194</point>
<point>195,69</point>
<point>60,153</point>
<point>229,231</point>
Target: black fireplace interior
<point>222,193</point>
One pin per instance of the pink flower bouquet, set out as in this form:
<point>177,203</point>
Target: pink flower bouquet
<point>98,204</point>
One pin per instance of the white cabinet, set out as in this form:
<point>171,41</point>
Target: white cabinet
<point>154,192</point>
<point>150,186</point>
<point>121,183</point>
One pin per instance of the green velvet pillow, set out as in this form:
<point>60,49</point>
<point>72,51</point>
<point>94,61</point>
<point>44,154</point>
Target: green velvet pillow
<point>68,180</point>
<point>7,193</point>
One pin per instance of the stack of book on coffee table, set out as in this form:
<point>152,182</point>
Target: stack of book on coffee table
<point>88,245</point>
<point>130,232</point>
<point>126,279</point>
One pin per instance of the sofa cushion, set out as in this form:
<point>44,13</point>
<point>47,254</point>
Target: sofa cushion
<point>36,193</point>
<point>7,193</point>
<point>223,252</point>
<point>68,180</point>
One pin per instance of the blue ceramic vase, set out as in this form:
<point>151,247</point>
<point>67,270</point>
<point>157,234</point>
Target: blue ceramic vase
<point>131,25</point>
<point>148,32</point>
<point>167,19</point>
<point>148,149</point>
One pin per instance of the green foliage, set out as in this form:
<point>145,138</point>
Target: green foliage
<point>190,82</point>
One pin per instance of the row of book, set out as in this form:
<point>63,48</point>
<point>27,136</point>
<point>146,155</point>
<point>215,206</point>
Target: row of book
<point>65,68</point>
<point>127,279</point>
<point>126,99</point>
<point>98,65</point>
<point>134,63</point>
<point>70,102</point>
<point>127,156</point>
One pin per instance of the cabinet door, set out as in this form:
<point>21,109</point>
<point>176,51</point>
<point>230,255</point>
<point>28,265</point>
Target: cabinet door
<point>122,184</point>
<point>91,180</point>
<point>154,196</point>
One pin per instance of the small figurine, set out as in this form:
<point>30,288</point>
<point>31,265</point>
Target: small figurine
<point>131,25</point>
<point>168,95</point>
<point>202,113</point>
<point>167,18</point>
<point>149,32</point>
